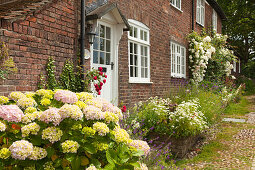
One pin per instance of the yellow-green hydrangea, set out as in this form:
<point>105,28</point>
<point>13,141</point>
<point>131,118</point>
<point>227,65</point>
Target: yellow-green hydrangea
<point>76,127</point>
<point>45,102</point>
<point>16,96</point>
<point>121,135</point>
<point>101,128</point>
<point>37,153</point>
<point>30,94</point>
<point>111,117</point>
<point>81,104</point>
<point>88,131</point>
<point>4,100</point>
<point>45,93</point>
<point>70,146</point>
<point>53,134</point>
<point>26,102</point>
<point>48,166</point>
<point>30,110</point>
<point>29,117</point>
<point>71,111</point>
<point>83,96</point>
<point>2,127</point>
<point>5,153</point>
<point>32,128</point>
<point>101,146</point>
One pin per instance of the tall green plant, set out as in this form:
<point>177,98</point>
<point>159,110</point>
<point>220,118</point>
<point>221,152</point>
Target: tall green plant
<point>51,70</point>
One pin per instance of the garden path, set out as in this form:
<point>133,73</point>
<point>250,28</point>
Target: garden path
<point>233,144</point>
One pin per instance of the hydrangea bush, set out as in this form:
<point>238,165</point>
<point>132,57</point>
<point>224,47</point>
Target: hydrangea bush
<point>65,130</point>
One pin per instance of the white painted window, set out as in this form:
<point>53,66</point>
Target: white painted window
<point>239,66</point>
<point>139,52</point>
<point>214,20</point>
<point>178,60</point>
<point>176,3</point>
<point>201,12</point>
<point>234,66</point>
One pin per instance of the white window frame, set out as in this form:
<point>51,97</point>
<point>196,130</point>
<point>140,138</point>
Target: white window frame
<point>214,20</point>
<point>177,59</point>
<point>200,17</point>
<point>174,4</point>
<point>234,66</point>
<point>239,66</point>
<point>141,42</point>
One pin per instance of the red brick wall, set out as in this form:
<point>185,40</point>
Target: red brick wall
<point>49,32</point>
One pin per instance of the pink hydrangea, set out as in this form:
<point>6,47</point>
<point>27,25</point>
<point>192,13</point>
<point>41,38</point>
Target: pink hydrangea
<point>21,149</point>
<point>108,107</point>
<point>11,113</point>
<point>65,96</point>
<point>93,113</point>
<point>142,145</point>
<point>51,115</point>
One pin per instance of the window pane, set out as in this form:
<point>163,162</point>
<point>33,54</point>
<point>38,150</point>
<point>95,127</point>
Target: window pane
<point>102,57</point>
<point>146,62</point>
<point>102,31</point>
<point>145,36</point>
<point>95,57</point>
<point>141,34</point>
<point>131,71</point>
<point>136,71</point>
<point>146,72</point>
<point>135,32</point>
<point>95,44</point>
<point>131,32</point>
<point>142,71</point>
<point>108,58</point>
<point>102,44</point>
<point>146,51</point>
<point>108,46</point>
<point>108,33</point>
<point>131,59</point>
<point>135,48</point>
<point>178,5</point>
<point>142,61</point>
<point>142,51</point>
<point>136,60</point>
<point>131,47</point>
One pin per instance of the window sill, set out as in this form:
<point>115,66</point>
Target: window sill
<point>140,82</point>
<point>200,24</point>
<point>176,8</point>
<point>178,77</point>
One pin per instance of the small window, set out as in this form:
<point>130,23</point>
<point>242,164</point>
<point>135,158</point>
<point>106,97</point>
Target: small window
<point>201,12</point>
<point>176,3</point>
<point>178,60</point>
<point>214,20</point>
<point>139,52</point>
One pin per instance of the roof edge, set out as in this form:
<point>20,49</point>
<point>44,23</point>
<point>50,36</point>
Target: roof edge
<point>217,8</point>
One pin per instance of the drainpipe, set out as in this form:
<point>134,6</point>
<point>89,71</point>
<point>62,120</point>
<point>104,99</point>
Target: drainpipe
<point>193,14</point>
<point>82,49</point>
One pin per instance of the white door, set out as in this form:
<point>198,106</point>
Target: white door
<point>103,56</point>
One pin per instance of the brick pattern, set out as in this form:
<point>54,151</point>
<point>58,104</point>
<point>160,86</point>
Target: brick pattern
<point>52,31</point>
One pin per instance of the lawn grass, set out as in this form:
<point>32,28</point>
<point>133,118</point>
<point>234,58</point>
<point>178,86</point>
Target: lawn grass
<point>238,109</point>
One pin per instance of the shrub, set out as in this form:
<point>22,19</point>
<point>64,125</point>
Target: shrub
<point>62,130</point>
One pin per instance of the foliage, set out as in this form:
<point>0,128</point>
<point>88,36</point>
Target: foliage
<point>237,108</point>
<point>249,69</point>
<point>63,130</point>
<point>249,85</point>
<point>41,84</point>
<point>240,26</point>
<point>71,79</point>
<point>51,77</point>
<point>209,57</point>
<point>7,64</point>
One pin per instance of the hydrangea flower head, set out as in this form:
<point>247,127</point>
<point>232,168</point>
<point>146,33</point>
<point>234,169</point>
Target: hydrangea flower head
<point>65,96</point>
<point>45,102</point>
<point>84,96</point>
<point>38,153</point>
<point>93,113</point>
<point>45,93</point>
<point>29,117</point>
<point>142,145</point>
<point>81,105</point>
<point>26,102</point>
<point>30,110</point>
<point>16,95</point>
<point>11,113</point>
<point>91,167</point>
<point>21,149</point>
<point>30,94</point>
<point>97,102</point>
<point>70,146</point>
<point>101,128</point>
<point>32,128</point>
<point>2,127</point>
<point>71,111</point>
<point>121,135</point>
<point>111,117</point>
<point>88,131</point>
<point>3,100</point>
<point>50,115</point>
<point>52,134</point>
<point>5,153</point>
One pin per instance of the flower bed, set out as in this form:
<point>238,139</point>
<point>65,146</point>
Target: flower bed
<point>64,130</point>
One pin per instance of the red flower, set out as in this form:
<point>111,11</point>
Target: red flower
<point>101,73</point>
<point>95,85</point>
<point>124,109</point>
<point>16,127</point>
<point>104,80</point>
<point>99,92</point>
<point>105,75</point>
<point>101,83</point>
<point>100,69</point>
<point>95,78</point>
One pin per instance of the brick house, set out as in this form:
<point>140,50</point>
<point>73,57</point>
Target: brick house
<point>141,45</point>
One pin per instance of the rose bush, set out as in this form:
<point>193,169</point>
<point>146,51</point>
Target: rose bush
<point>64,130</point>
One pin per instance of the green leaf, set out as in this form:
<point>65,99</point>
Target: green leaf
<point>109,158</point>
<point>58,163</point>
<point>109,167</point>
<point>76,163</point>
<point>50,152</point>
<point>70,157</point>
<point>138,153</point>
<point>89,148</point>
<point>135,164</point>
<point>36,140</point>
<point>96,163</point>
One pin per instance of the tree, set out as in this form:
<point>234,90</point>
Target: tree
<point>240,26</point>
